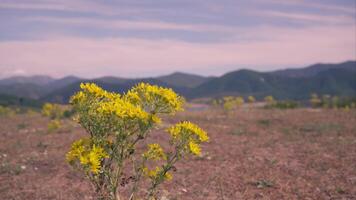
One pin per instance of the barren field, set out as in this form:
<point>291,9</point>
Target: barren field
<point>252,154</point>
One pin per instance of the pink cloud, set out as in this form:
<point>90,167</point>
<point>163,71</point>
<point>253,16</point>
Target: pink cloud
<point>278,47</point>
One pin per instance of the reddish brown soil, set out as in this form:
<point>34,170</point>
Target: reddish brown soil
<point>252,154</point>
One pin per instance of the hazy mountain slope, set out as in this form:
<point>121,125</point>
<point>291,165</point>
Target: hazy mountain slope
<point>334,81</point>
<point>338,79</point>
<point>183,79</point>
<point>27,90</point>
<point>59,83</point>
<point>314,69</point>
<point>241,82</point>
<point>36,80</point>
<point>8,100</point>
<point>112,80</point>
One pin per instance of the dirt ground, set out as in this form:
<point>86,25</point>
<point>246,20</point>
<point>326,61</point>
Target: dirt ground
<point>252,154</point>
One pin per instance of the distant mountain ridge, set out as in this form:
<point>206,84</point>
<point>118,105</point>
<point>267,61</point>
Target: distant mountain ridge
<point>341,82</point>
<point>36,80</point>
<point>184,79</point>
<point>333,79</point>
<point>314,69</point>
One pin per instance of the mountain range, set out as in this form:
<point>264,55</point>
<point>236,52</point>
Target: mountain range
<point>334,79</point>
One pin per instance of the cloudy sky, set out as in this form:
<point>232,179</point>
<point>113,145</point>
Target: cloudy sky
<point>136,38</point>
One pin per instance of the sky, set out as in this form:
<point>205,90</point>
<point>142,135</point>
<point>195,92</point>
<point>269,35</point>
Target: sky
<point>140,38</point>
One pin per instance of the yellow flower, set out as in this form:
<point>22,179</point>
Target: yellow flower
<point>156,119</point>
<point>53,125</point>
<point>194,148</point>
<point>77,149</point>
<point>53,111</point>
<point>251,99</point>
<point>188,128</point>
<point>168,176</point>
<point>154,152</point>
<point>154,98</point>
<point>151,173</point>
<point>95,157</point>
<point>123,110</point>
<point>92,90</point>
<point>189,135</point>
<point>270,99</point>
<point>87,155</point>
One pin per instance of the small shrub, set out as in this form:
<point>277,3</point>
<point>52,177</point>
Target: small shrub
<point>230,103</point>
<point>270,101</point>
<point>6,111</point>
<point>251,99</point>
<point>315,101</point>
<point>53,111</point>
<point>326,101</point>
<point>115,125</point>
<point>53,125</point>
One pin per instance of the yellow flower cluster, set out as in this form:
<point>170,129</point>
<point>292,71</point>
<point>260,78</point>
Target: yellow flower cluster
<point>123,110</point>
<point>6,111</point>
<point>91,89</point>
<point>251,99</point>
<point>53,125</point>
<point>89,156</point>
<point>194,148</point>
<point>142,102</point>
<point>153,174</point>
<point>154,152</point>
<point>156,99</point>
<point>53,111</point>
<point>270,100</point>
<point>190,133</point>
<point>230,102</point>
<point>188,127</point>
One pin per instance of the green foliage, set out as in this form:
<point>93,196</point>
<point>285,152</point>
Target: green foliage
<point>332,102</point>
<point>68,113</point>
<point>8,100</point>
<point>116,124</point>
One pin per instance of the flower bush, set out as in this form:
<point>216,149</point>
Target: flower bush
<point>270,101</point>
<point>54,112</point>
<point>6,111</point>
<point>116,124</point>
<point>251,99</point>
<point>315,101</point>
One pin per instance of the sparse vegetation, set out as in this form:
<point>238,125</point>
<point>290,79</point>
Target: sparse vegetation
<point>285,105</point>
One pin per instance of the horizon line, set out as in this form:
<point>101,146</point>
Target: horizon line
<point>176,72</point>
